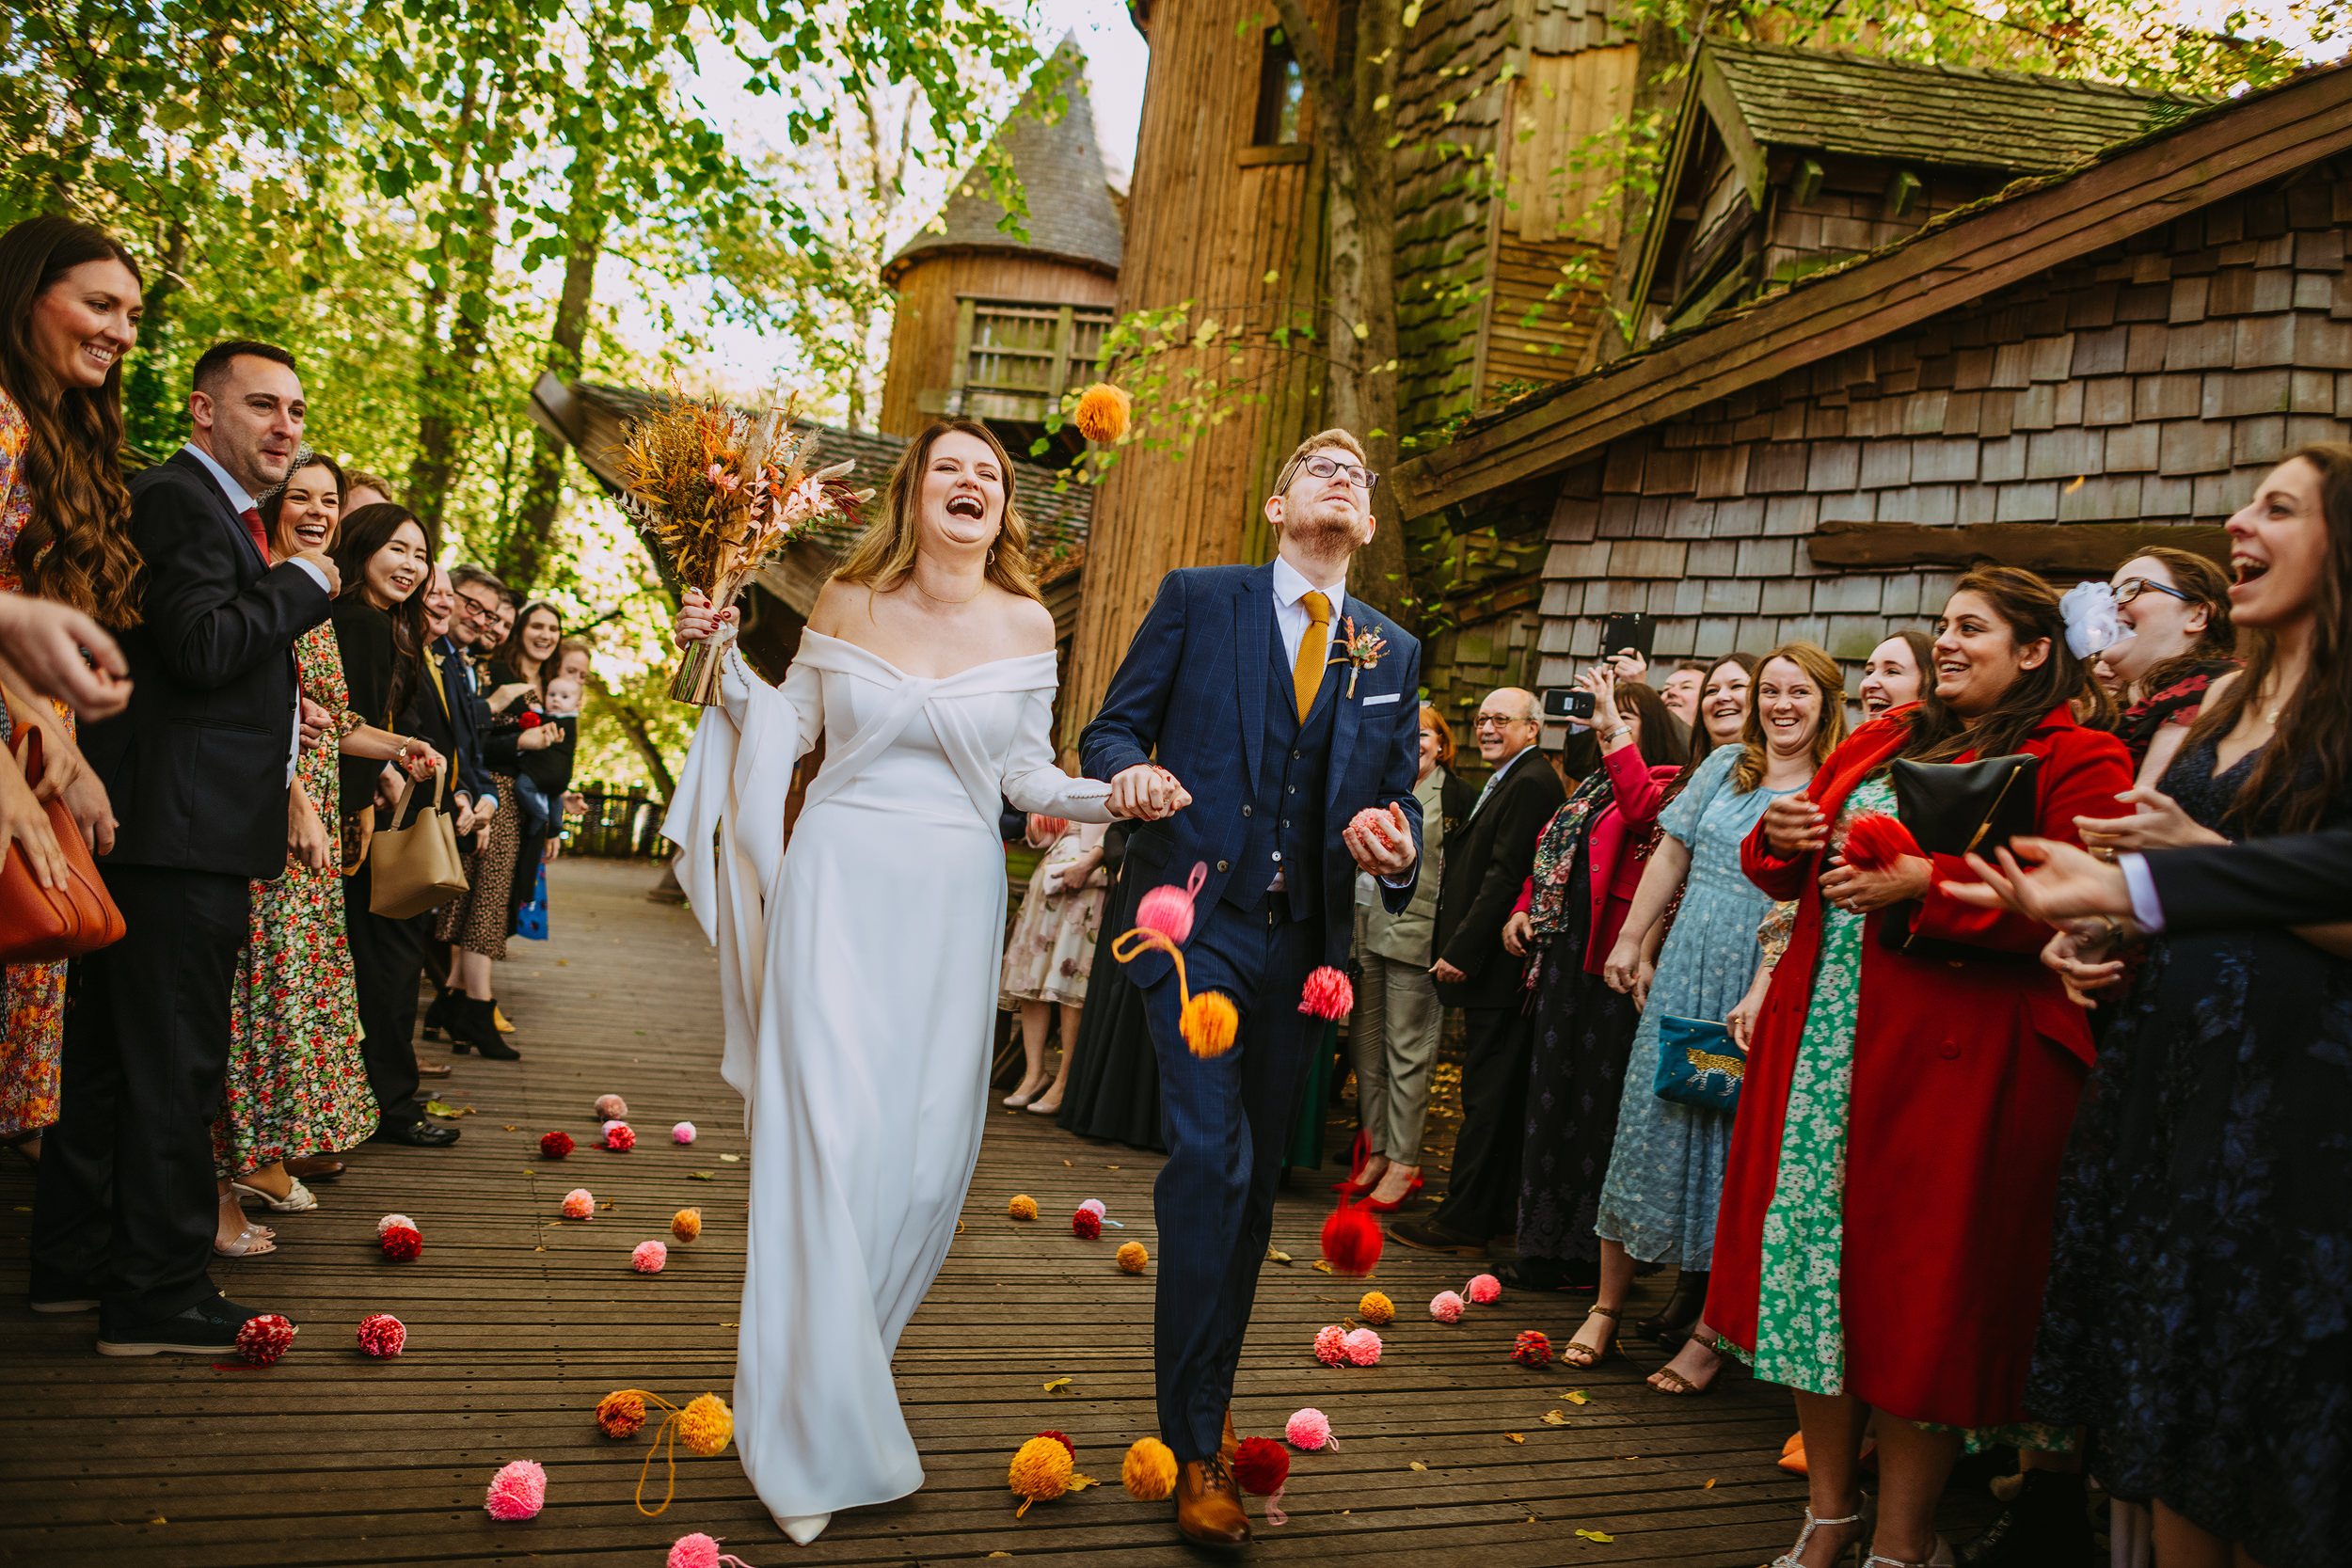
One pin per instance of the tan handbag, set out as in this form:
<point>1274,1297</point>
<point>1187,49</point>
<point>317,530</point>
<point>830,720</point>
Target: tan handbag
<point>417,868</point>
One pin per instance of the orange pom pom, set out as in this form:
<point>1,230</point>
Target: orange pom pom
<point>1149,1471</point>
<point>1102,412</point>
<point>1023,1207</point>
<point>1351,1240</point>
<point>1209,1023</point>
<point>1132,1257</point>
<point>621,1412</point>
<point>1376,1308</point>
<point>687,1224</point>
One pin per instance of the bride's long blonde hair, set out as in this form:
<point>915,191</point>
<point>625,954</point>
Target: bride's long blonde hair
<point>884,553</point>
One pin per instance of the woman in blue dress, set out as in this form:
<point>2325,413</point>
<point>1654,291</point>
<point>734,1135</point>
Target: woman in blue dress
<point>1657,1202</point>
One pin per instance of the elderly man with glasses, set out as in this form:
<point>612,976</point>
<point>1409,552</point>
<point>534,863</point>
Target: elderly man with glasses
<point>1476,973</point>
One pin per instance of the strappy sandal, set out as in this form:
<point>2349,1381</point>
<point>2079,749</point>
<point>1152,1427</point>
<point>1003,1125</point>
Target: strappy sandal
<point>1794,1555</point>
<point>298,1199</point>
<point>251,1241</point>
<point>1594,1354</point>
<point>1677,1384</point>
<point>1940,1557</point>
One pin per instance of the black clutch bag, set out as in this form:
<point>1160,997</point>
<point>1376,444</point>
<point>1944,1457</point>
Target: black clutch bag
<point>1959,808</point>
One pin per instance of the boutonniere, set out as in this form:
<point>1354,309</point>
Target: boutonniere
<point>1360,649</point>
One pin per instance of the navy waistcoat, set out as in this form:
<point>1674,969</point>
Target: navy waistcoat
<point>1285,815</point>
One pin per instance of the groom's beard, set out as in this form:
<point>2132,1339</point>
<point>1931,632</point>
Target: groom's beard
<point>1328,533</point>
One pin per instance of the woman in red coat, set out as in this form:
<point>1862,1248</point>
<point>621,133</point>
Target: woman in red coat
<point>1886,1222</point>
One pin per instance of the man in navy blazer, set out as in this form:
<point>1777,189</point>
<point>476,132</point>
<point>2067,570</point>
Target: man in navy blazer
<point>1257,712</point>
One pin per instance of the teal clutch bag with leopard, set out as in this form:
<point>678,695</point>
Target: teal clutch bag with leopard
<point>1699,1065</point>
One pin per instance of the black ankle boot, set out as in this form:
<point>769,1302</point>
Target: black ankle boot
<point>441,1017</point>
<point>2047,1526</point>
<point>1681,1312</point>
<point>477,1025</point>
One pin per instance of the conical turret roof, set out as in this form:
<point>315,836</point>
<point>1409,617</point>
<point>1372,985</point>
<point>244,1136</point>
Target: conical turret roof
<point>1071,216</point>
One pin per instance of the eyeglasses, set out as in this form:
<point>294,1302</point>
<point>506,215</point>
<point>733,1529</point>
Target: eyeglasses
<point>1497,721</point>
<point>477,605</point>
<point>1360,477</point>
<point>2132,587</point>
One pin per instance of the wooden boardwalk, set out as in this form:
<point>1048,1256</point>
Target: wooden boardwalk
<point>518,1322</point>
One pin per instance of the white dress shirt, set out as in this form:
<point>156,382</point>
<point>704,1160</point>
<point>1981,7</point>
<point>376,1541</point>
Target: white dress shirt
<point>1291,618</point>
<point>240,503</point>
<point>2147,910</point>
<point>1495,777</point>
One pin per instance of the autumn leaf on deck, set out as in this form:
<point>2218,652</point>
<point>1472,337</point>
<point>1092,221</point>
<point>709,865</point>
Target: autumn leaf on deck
<point>1514,1437</point>
<point>511,1128</point>
<point>730,1159</point>
<point>1555,1418</point>
<point>439,1108</point>
<point>1600,1535</point>
<point>1058,1384</point>
<point>1275,1255</point>
<point>1576,1396</point>
<point>702,1176</point>
<point>1079,1483</point>
<point>1710,1486</point>
<point>1416,1465</point>
<point>1322,1267</point>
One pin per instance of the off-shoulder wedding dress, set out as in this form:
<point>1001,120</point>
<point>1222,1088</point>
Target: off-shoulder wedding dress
<point>859,971</point>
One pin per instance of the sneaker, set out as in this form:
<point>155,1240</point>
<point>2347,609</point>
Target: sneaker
<point>52,1292</point>
<point>208,1328</point>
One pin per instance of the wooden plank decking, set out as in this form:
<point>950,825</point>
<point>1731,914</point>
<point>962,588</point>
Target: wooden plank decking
<point>518,1322</point>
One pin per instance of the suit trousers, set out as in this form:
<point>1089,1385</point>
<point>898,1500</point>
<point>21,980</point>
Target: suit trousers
<point>387,959</point>
<point>1482,1197</point>
<point>1227,1121</point>
<point>1392,1045</point>
<point>127,1201</point>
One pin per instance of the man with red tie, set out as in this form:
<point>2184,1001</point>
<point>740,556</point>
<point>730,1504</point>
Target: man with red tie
<point>199,768</point>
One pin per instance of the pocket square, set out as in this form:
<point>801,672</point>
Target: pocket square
<point>1375,702</point>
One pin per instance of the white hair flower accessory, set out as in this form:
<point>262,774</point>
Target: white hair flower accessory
<point>2089,610</point>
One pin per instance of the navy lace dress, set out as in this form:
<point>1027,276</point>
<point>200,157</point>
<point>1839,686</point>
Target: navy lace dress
<point>2198,1315</point>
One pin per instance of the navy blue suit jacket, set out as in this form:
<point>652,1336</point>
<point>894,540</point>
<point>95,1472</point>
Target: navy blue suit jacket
<point>1191,695</point>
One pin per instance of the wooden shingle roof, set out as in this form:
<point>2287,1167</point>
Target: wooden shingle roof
<point>1071,216</point>
<point>1946,116</point>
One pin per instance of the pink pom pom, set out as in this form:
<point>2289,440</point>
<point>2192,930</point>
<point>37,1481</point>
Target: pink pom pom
<point>1168,909</point>
<point>391,1220</point>
<point>1308,1429</point>
<point>383,1335</point>
<point>610,1107</point>
<point>1331,1345</point>
<point>694,1551</point>
<point>684,1132</point>
<point>619,1137</point>
<point>1374,822</point>
<point>1363,1347</point>
<point>1328,994</point>
<point>1096,1205</point>
<point>518,1491</point>
<point>1446,1307</point>
<point>649,1256</point>
<point>580,1204</point>
<point>1486,1290</point>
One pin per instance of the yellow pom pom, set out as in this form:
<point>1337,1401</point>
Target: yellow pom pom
<point>1375,1308</point>
<point>1132,1257</point>
<point>1148,1472</point>
<point>687,1224</point>
<point>1040,1471</point>
<point>1209,1023</point>
<point>705,1424</point>
<point>1023,1207</point>
<point>1102,412</point>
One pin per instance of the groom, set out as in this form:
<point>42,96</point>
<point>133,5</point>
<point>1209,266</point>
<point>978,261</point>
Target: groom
<point>1279,708</point>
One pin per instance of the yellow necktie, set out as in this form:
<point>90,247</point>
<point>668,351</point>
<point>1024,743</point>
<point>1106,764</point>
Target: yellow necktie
<point>1315,653</point>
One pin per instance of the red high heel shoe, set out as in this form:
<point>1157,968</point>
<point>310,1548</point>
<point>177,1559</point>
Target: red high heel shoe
<point>1376,1206</point>
<point>1357,1154</point>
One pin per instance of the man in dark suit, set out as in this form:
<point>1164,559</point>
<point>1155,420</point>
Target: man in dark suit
<point>199,768</point>
<point>1284,708</point>
<point>1476,973</point>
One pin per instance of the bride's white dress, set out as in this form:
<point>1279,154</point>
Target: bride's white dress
<point>859,970</point>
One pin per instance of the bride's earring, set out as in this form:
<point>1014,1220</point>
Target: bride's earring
<point>991,556</point>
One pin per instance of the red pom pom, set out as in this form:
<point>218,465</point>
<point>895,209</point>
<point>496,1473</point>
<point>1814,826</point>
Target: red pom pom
<point>554,1145</point>
<point>1063,1441</point>
<point>262,1340</point>
<point>1875,841</point>
<point>529,720</point>
<point>1351,1240</point>
<point>620,1138</point>
<point>402,1242</point>
<point>383,1335</point>
<point>1262,1465</point>
<point>1086,1226</point>
<point>1328,994</point>
<point>1532,1350</point>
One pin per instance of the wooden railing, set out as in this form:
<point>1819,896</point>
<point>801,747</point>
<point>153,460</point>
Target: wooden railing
<point>624,822</point>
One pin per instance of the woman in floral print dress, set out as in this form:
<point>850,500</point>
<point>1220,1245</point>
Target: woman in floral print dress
<point>64,534</point>
<point>297,1084</point>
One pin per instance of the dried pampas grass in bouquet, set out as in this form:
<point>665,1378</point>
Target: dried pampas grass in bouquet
<point>721,493</point>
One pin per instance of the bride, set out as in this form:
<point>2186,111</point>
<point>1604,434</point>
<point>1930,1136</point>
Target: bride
<point>858,967</point>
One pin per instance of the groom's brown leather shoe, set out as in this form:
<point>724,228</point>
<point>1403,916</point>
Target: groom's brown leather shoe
<point>1229,1445</point>
<point>1208,1505</point>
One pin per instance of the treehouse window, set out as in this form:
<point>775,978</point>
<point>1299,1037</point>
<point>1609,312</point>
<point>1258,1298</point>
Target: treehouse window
<point>1278,91</point>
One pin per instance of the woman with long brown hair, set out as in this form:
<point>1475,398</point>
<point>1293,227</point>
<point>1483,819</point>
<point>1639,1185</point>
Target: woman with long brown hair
<point>2202,1251</point>
<point>1884,1224</point>
<point>860,963</point>
<point>2174,609</point>
<point>70,306</point>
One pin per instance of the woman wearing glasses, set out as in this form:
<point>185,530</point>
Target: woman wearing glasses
<point>2175,607</point>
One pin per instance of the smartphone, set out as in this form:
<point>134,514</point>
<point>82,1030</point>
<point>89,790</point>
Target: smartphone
<point>1568,702</point>
<point>1631,630</point>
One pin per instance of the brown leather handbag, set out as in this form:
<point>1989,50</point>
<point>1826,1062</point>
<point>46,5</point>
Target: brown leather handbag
<point>41,925</point>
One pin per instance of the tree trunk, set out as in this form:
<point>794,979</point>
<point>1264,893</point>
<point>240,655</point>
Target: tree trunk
<point>531,538</point>
<point>442,368</point>
<point>634,725</point>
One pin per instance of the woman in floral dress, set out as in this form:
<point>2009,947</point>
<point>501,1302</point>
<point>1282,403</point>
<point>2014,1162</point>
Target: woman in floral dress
<point>64,535</point>
<point>297,1084</point>
<point>1050,953</point>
